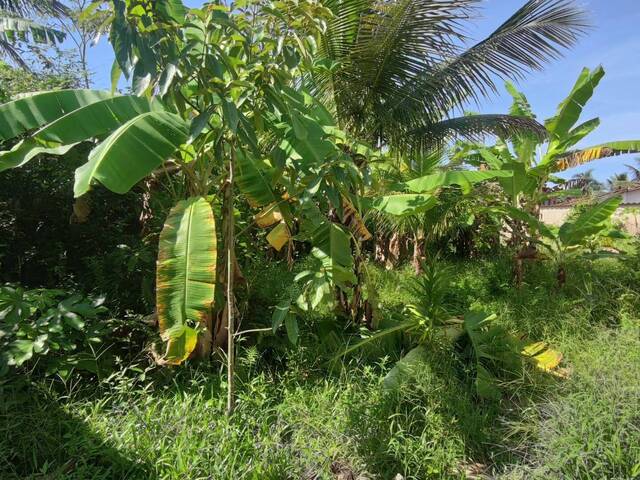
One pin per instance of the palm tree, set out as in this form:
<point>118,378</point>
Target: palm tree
<point>618,180</point>
<point>16,25</point>
<point>394,71</point>
<point>587,181</point>
<point>635,171</point>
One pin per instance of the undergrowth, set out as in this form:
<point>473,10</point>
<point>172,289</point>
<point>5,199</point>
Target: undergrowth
<point>300,417</point>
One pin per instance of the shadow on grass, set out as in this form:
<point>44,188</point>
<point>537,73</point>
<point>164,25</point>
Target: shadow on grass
<point>40,440</point>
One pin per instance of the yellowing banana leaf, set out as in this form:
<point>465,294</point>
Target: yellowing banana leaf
<point>544,357</point>
<point>279,236</point>
<point>354,222</point>
<point>186,276</point>
<point>269,216</point>
<point>586,155</point>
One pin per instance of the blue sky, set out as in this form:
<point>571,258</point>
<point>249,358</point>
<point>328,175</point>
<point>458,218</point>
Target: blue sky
<point>614,42</point>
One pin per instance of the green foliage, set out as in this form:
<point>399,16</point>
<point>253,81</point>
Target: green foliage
<point>429,425</point>
<point>15,81</point>
<point>588,429</point>
<point>53,330</point>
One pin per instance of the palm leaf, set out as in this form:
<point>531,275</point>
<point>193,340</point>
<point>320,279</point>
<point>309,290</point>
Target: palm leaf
<point>186,276</point>
<point>473,127</point>
<point>20,29</point>
<point>533,35</point>
<point>24,8</point>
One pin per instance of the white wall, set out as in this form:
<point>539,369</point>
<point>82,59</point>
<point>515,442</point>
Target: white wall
<point>628,216</point>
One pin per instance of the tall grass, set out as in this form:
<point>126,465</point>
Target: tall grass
<point>299,419</point>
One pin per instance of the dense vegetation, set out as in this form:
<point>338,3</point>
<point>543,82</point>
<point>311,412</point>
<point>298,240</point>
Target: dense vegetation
<point>280,255</point>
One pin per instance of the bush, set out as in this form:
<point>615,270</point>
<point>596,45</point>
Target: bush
<point>55,332</point>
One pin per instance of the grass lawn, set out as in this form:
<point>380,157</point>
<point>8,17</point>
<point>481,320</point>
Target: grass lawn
<point>297,418</point>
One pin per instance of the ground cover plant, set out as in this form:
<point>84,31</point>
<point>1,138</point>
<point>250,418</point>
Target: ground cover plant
<point>280,253</point>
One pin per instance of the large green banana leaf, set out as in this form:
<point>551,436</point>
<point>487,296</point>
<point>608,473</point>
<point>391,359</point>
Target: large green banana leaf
<point>90,121</point>
<point>27,150</point>
<point>38,109</point>
<point>132,152</point>
<point>570,109</point>
<point>462,178</point>
<point>332,246</point>
<point>186,275</point>
<point>96,119</point>
<point>404,203</point>
<point>589,222</point>
<point>253,181</point>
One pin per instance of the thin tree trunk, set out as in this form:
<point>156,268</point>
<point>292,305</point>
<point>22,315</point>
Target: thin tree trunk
<point>418,252</point>
<point>561,276</point>
<point>229,243</point>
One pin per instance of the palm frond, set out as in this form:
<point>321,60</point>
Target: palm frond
<point>14,29</point>
<point>473,127</point>
<point>24,8</point>
<point>534,35</point>
<point>9,50</point>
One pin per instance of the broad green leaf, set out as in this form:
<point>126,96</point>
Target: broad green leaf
<point>492,346</point>
<point>520,106</point>
<point>570,109</point>
<point>590,222</point>
<point>96,119</point>
<point>37,109</point>
<point>463,178</point>
<point>279,314</point>
<point>132,152</point>
<point>404,204</point>
<point>291,324</point>
<point>26,150</point>
<point>518,214</point>
<point>231,115</point>
<point>414,360</point>
<point>21,351</point>
<point>572,138</point>
<point>332,246</point>
<point>172,10</point>
<point>519,182</point>
<point>186,275</point>
<point>93,120</point>
<point>116,73</point>
<point>253,180</point>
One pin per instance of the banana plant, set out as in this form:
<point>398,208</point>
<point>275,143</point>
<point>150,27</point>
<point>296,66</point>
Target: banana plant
<point>493,352</point>
<point>579,236</point>
<point>217,110</point>
<point>397,216</point>
<point>534,163</point>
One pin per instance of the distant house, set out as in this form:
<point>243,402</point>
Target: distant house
<point>556,213</point>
